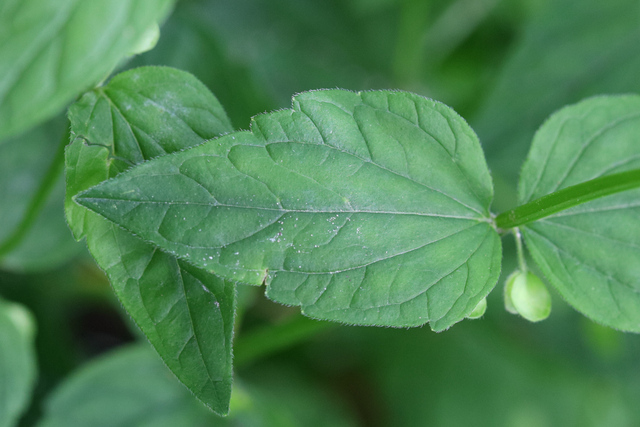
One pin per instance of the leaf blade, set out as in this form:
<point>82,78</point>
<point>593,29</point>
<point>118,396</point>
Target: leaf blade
<point>186,313</point>
<point>314,190</point>
<point>588,252</point>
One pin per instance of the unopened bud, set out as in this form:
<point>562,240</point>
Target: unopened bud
<point>526,295</point>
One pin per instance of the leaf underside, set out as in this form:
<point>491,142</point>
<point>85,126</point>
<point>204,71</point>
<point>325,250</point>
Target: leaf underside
<point>365,208</point>
<point>590,252</point>
<point>186,312</point>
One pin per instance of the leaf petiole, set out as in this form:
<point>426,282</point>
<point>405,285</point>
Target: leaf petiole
<point>568,198</point>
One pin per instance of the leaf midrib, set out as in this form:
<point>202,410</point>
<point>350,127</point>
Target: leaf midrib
<point>222,205</point>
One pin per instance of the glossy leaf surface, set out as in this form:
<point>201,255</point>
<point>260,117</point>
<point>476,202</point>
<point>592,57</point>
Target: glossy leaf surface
<point>50,51</point>
<point>589,252</point>
<point>186,312</point>
<point>366,208</point>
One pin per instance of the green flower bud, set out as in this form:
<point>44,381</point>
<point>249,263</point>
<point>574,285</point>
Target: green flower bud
<point>479,310</point>
<point>526,295</point>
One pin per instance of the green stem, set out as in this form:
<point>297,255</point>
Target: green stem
<point>520,250</point>
<point>39,199</point>
<point>271,339</point>
<point>568,198</point>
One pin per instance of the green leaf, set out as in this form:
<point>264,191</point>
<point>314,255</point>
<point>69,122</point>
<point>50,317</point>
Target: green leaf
<point>589,252</point>
<point>17,362</point>
<point>366,208</point>
<point>34,235</point>
<point>596,55</point>
<point>186,312</point>
<point>50,51</point>
<point>131,387</point>
<point>127,387</point>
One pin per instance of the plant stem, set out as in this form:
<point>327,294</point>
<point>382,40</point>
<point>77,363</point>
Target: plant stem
<point>568,198</point>
<point>520,250</point>
<point>270,339</point>
<point>39,199</point>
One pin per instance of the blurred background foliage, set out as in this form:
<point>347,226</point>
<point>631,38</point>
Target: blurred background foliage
<point>504,65</point>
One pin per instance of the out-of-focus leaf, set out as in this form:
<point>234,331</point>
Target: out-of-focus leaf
<point>288,46</point>
<point>17,361</point>
<point>128,387</point>
<point>365,208</point>
<point>185,36</point>
<point>51,50</point>
<point>500,378</point>
<point>132,387</point>
<point>186,312</point>
<point>33,235</point>
<point>590,252</point>
<point>572,49</point>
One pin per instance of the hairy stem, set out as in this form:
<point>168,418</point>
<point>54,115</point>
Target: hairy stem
<point>568,198</point>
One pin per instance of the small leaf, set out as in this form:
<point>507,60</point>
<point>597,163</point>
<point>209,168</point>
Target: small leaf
<point>526,295</point>
<point>589,252</point>
<point>50,51</point>
<point>17,361</point>
<point>366,208</point>
<point>186,312</point>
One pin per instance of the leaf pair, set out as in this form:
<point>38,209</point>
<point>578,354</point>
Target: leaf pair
<point>366,208</point>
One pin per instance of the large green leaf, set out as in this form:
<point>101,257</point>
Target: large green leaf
<point>366,208</point>
<point>34,235</point>
<point>186,312</point>
<point>589,252</point>
<point>17,362</point>
<point>127,387</point>
<point>51,50</point>
<point>131,387</point>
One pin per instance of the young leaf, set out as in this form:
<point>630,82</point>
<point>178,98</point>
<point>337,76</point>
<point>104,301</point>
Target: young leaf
<point>17,362</point>
<point>366,208</point>
<point>186,312</point>
<point>52,50</point>
<point>589,252</point>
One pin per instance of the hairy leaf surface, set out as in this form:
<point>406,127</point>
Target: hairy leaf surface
<point>52,50</point>
<point>590,252</point>
<point>186,312</point>
<point>367,208</point>
<point>17,362</point>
